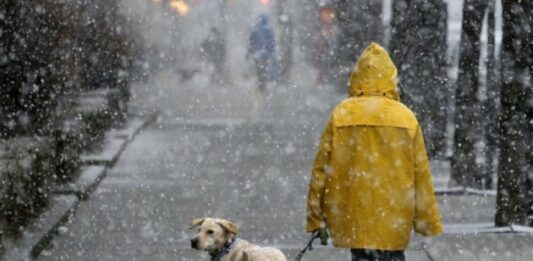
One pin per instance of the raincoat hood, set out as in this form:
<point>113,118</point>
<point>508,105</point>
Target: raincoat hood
<point>374,74</point>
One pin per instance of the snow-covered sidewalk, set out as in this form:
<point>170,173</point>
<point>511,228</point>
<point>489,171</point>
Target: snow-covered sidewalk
<point>255,172</point>
<point>227,150</point>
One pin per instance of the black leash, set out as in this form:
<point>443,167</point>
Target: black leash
<point>309,246</point>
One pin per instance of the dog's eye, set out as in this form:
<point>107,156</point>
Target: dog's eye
<point>210,232</point>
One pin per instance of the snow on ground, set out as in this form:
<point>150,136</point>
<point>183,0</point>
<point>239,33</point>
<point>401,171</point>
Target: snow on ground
<point>228,150</point>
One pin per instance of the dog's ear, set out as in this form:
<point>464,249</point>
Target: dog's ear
<point>196,222</point>
<point>229,226</point>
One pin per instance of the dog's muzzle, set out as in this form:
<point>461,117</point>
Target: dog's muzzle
<point>194,243</point>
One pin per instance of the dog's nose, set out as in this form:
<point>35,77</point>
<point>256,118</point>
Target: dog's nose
<point>194,243</point>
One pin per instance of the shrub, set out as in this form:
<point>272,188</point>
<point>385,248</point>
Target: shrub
<point>27,173</point>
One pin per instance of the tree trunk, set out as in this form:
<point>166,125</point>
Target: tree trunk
<point>465,171</point>
<point>492,103</point>
<point>359,24</point>
<point>225,69</point>
<point>285,29</point>
<point>421,58</point>
<point>511,199</point>
<point>400,25</point>
<point>12,69</point>
<point>529,120</point>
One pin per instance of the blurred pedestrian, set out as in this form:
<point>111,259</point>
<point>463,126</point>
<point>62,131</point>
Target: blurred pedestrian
<point>214,51</point>
<point>261,49</point>
<point>371,181</point>
<point>326,43</point>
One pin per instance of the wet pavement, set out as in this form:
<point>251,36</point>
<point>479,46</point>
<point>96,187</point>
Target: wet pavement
<point>237,154</point>
<point>223,151</point>
<point>227,150</point>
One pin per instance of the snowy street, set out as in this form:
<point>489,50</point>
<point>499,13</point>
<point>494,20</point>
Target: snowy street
<point>252,168</point>
<point>235,153</point>
<point>220,147</point>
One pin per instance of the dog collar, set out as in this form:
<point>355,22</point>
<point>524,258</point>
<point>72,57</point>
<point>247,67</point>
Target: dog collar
<point>225,250</point>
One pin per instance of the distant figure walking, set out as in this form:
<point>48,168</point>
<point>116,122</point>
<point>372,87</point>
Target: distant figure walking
<point>326,45</point>
<point>371,182</point>
<point>261,49</point>
<point>214,51</point>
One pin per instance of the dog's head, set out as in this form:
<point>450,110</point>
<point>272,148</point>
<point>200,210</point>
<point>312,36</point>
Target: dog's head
<point>212,233</point>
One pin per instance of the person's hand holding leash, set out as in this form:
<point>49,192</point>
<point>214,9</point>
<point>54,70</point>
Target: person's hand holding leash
<point>324,236</point>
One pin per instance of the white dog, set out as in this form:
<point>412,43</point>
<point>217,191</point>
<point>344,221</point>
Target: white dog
<point>219,238</point>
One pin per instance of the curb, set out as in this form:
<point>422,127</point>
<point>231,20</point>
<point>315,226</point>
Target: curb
<point>39,234</point>
<point>478,228</point>
<point>67,197</point>
<point>116,142</point>
<point>461,191</point>
<point>87,182</point>
<point>108,156</point>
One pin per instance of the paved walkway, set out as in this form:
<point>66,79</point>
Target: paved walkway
<point>230,151</point>
<point>252,168</point>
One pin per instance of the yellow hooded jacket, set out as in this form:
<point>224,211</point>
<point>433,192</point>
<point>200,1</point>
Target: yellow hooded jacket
<point>371,182</point>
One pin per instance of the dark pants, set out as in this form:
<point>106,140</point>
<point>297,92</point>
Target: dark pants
<point>377,255</point>
<point>261,67</point>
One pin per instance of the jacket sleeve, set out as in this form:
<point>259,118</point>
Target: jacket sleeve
<point>427,218</point>
<point>315,198</point>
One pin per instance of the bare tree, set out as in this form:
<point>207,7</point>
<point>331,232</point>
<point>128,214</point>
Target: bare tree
<point>511,200</point>
<point>418,46</point>
<point>465,172</point>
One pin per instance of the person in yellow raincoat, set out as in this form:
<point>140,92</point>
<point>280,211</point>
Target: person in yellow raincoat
<point>371,181</point>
